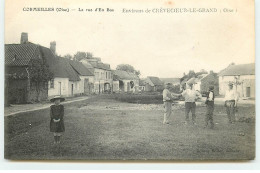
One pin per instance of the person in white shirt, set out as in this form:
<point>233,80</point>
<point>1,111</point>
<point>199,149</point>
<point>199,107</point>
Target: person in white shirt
<point>210,107</point>
<point>167,100</point>
<point>231,99</point>
<point>190,96</point>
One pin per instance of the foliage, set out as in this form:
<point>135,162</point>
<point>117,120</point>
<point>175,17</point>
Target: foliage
<point>80,55</point>
<point>128,68</point>
<point>89,55</point>
<point>39,74</point>
<point>68,56</point>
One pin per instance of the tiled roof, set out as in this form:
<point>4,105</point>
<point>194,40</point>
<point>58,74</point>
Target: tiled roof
<point>155,80</point>
<point>19,54</point>
<point>241,69</point>
<point>123,75</point>
<point>59,66</point>
<point>80,68</point>
<point>95,62</point>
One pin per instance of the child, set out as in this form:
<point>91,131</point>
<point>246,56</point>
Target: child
<point>56,114</point>
<point>210,107</point>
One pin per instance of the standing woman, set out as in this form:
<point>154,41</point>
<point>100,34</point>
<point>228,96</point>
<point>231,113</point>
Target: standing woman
<point>57,122</point>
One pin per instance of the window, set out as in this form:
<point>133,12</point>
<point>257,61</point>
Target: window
<point>106,75</point>
<point>52,83</point>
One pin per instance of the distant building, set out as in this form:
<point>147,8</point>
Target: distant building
<point>142,85</point>
<point>86,85</point>
<point>103,78</point>
<point>153,84</point>
<point>205,80</point>
<point>125,82</point>
<point>243,77</point>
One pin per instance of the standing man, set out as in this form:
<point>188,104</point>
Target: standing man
<point>167,100</point>
<point>190,96</point>
<point>210,107</point>
<point>231,99</point>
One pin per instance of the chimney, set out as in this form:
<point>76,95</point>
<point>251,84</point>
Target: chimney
<point>53,47</point>
<point>24,38</point>
<point>211,71</point>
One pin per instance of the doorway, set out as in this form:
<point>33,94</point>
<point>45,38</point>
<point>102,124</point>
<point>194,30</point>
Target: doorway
<point>72,89</point>
<point>247,91</point>
<point>59,88</point>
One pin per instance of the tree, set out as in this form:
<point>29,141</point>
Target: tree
<point>39,74</point>
<point>89,55</point>
<point>68,56</point>
<point>191,74</point>
<point>128,68</point>
<point>80,55</point>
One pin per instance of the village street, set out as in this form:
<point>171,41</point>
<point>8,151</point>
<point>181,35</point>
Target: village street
<point>103,128</point>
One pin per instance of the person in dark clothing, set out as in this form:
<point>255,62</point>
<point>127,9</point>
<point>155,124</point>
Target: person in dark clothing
<point>210,107</point>
<point>57,121</point>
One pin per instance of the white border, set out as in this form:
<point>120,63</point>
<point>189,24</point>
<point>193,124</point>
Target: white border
<point>10,165</point>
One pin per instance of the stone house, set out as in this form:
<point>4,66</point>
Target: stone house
<point>103,78</point>
<point>153,84</point>
<point>86,84</point>
<point>242,76</point>
<point>125,82</point>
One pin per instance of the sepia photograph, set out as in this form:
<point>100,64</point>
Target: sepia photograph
<point>145,81</point>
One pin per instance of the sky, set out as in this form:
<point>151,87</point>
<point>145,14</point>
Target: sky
<point>157,44</point>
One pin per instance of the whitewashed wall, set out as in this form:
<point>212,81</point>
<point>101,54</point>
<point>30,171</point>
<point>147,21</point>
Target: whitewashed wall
<point>55,91</point>
<point>246,81</point>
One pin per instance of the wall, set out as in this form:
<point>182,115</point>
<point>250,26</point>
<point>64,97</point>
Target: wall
<point>17,91</point>
<point>101,78</point>
<point>245,81</point>
<point>209,80</point>
<point>32,93</point>
<point>64,87</point>
<point>116,86</point>
<point>76,88</point>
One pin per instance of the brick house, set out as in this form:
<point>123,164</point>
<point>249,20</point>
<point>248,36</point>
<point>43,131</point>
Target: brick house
<point>243,77</point>
<point>18,60</point>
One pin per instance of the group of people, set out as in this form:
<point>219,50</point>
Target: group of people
<point>191,96</point>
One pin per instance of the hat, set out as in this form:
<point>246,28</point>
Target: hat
<point>167,83</point>
<point>211,87</point>
<point>57,98</point>
<point>230,84</point>
<point>190,84</point>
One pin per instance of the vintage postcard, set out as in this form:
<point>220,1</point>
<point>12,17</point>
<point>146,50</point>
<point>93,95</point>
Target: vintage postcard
<point>156,80</point>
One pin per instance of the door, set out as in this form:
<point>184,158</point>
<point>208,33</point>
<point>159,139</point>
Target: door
<point>247,91</point>
<point>59,88</point>
<point>72,89</point>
